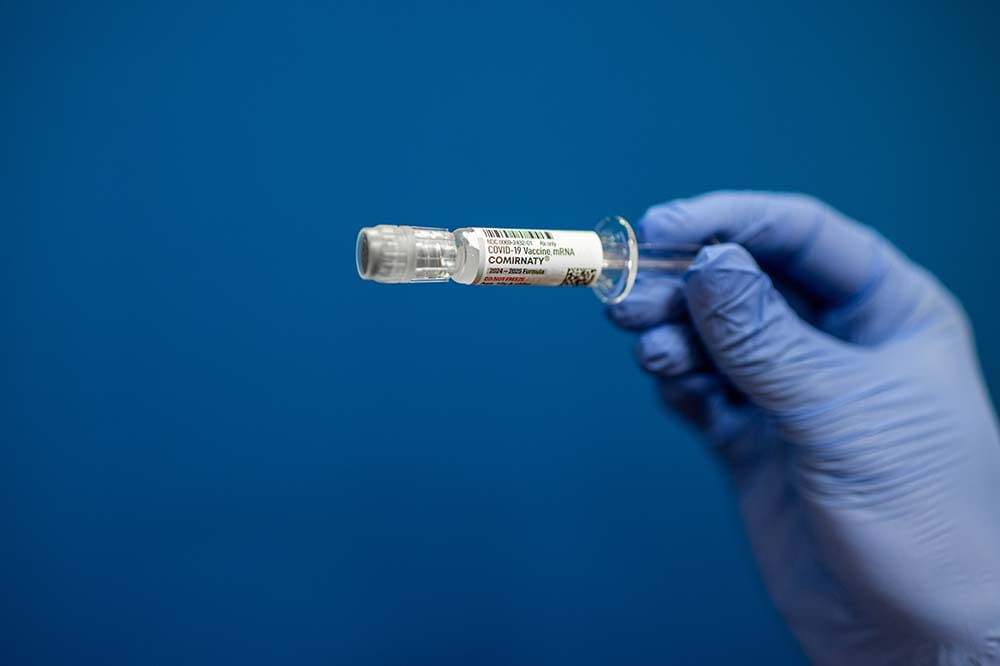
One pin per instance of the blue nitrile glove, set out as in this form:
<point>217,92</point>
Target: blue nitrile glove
<point>862,446</point>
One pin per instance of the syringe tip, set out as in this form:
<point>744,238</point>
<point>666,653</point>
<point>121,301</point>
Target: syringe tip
<point>394,254</point>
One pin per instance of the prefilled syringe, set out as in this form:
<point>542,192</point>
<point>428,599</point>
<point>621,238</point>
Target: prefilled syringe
<point>606,259</point>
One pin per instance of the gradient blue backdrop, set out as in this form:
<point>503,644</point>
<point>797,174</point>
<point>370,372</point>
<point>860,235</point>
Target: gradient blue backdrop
<point>220,446</point>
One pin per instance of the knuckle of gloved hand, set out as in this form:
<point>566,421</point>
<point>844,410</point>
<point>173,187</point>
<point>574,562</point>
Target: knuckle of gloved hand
<point>650,353</point>
<point>724,196</point>
<point>666,351</point>
<point>960,322</point>
<point>806,202</point>
<point>669,350</point>
<point>658,216</point>
<point>952,313</point>
<point>621,314</point>
<point>649,303</point>
<point>924,305</point>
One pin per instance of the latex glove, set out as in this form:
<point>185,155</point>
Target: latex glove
<point>863,447</point>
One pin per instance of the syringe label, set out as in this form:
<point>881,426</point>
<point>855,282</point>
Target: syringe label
<point>538,257</point>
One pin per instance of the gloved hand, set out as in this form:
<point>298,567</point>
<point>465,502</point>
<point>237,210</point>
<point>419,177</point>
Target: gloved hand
<point>855,425</point>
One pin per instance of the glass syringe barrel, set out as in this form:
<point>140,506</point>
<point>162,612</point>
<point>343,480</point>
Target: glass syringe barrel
<point>606,259</point>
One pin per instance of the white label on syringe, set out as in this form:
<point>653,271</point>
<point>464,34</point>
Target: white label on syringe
<point>538,257</point>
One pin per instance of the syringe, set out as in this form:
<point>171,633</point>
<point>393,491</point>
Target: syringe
<point>606,259</point>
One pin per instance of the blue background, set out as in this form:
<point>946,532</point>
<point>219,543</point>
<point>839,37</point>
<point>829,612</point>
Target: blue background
<point>220,446</point>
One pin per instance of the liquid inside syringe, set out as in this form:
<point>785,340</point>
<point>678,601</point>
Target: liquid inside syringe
<point>606,259</point>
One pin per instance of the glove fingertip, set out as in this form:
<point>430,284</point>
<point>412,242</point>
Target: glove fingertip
<point>651,302</point>
<point>716,272</point>
<point>627,314</point>
<point>721,256</point>
<point>668,350</point>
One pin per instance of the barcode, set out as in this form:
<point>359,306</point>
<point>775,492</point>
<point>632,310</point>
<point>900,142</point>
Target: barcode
<point>579,277</point>
<point>517,233</point>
